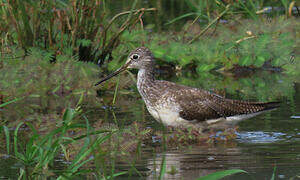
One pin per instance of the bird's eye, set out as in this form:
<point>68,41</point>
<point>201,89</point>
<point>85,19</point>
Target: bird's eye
<point>135,56</point>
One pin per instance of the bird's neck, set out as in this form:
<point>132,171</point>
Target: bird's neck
<point>145,75</point>
<point>145,82</point>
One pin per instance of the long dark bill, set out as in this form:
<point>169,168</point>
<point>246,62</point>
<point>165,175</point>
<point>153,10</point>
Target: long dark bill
<point>121,69</point>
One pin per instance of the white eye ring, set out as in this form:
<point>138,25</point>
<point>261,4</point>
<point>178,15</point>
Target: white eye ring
<point>135,56</point>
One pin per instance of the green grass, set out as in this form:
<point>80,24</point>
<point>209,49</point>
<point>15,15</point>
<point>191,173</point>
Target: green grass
<point>257,44</point>
<point>91,30</point>
<point>37,153</point>
<point>221,174</point>
<point>12,101</point>
<point>82,28</point>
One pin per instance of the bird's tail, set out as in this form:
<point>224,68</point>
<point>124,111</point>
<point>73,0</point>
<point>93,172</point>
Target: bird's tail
<point>270,105</point>
<point>245,107</point>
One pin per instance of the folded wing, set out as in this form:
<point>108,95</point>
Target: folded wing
<point>202,105</point>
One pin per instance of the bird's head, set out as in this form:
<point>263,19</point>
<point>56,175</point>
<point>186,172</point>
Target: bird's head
<point>140,58</point>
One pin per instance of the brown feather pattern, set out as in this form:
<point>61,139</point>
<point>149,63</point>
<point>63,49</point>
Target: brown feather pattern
<point>200,105</point>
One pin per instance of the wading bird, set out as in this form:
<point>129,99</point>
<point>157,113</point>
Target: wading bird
<point>178,105</point>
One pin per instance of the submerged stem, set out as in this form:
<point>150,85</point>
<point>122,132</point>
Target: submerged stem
<point>116,90</point>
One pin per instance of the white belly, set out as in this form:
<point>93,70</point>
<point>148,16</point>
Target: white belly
<point>167,116</point>
<point>170,117</point>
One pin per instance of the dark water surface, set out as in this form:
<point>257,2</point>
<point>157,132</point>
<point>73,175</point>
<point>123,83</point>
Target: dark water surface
<point>269,140</point>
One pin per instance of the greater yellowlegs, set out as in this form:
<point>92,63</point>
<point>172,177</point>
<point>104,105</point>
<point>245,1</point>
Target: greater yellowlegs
<point>176,105</point>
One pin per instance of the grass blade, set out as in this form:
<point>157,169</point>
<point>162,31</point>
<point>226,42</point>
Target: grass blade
<point>116,90</point>
<point>68,115</point>
<point>22,173</point>
<point>273,175</point>
<point>163,168</point>
<point>114,175</point>
<point>6,132</point>
<point>17,154</point>
<point>221,174</point>
<point>180,17</point>
<point>12,101</point>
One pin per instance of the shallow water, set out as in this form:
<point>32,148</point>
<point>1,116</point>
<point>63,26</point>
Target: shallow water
<point>263,142</point>
<point>255,150</point>
<point>266,141</point>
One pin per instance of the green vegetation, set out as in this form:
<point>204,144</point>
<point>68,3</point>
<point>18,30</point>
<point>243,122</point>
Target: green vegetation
<point>52,52</point>
<point>37,156</point>
<point>89,31</point>
<point>221,174</point>
<point>267,45</point>
<point>43,86</point>
<point>79,27</point>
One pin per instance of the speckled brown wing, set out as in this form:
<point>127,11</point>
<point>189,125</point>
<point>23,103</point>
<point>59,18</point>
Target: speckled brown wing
<point>193,102</point>
<point>198,106</point>
<point>202,105</point>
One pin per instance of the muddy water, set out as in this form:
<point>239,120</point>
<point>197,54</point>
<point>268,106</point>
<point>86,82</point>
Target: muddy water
<point>269,140</point>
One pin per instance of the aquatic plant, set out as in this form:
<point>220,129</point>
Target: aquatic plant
<point>38,153</point>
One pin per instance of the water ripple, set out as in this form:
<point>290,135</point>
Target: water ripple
<point>260,137</point>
